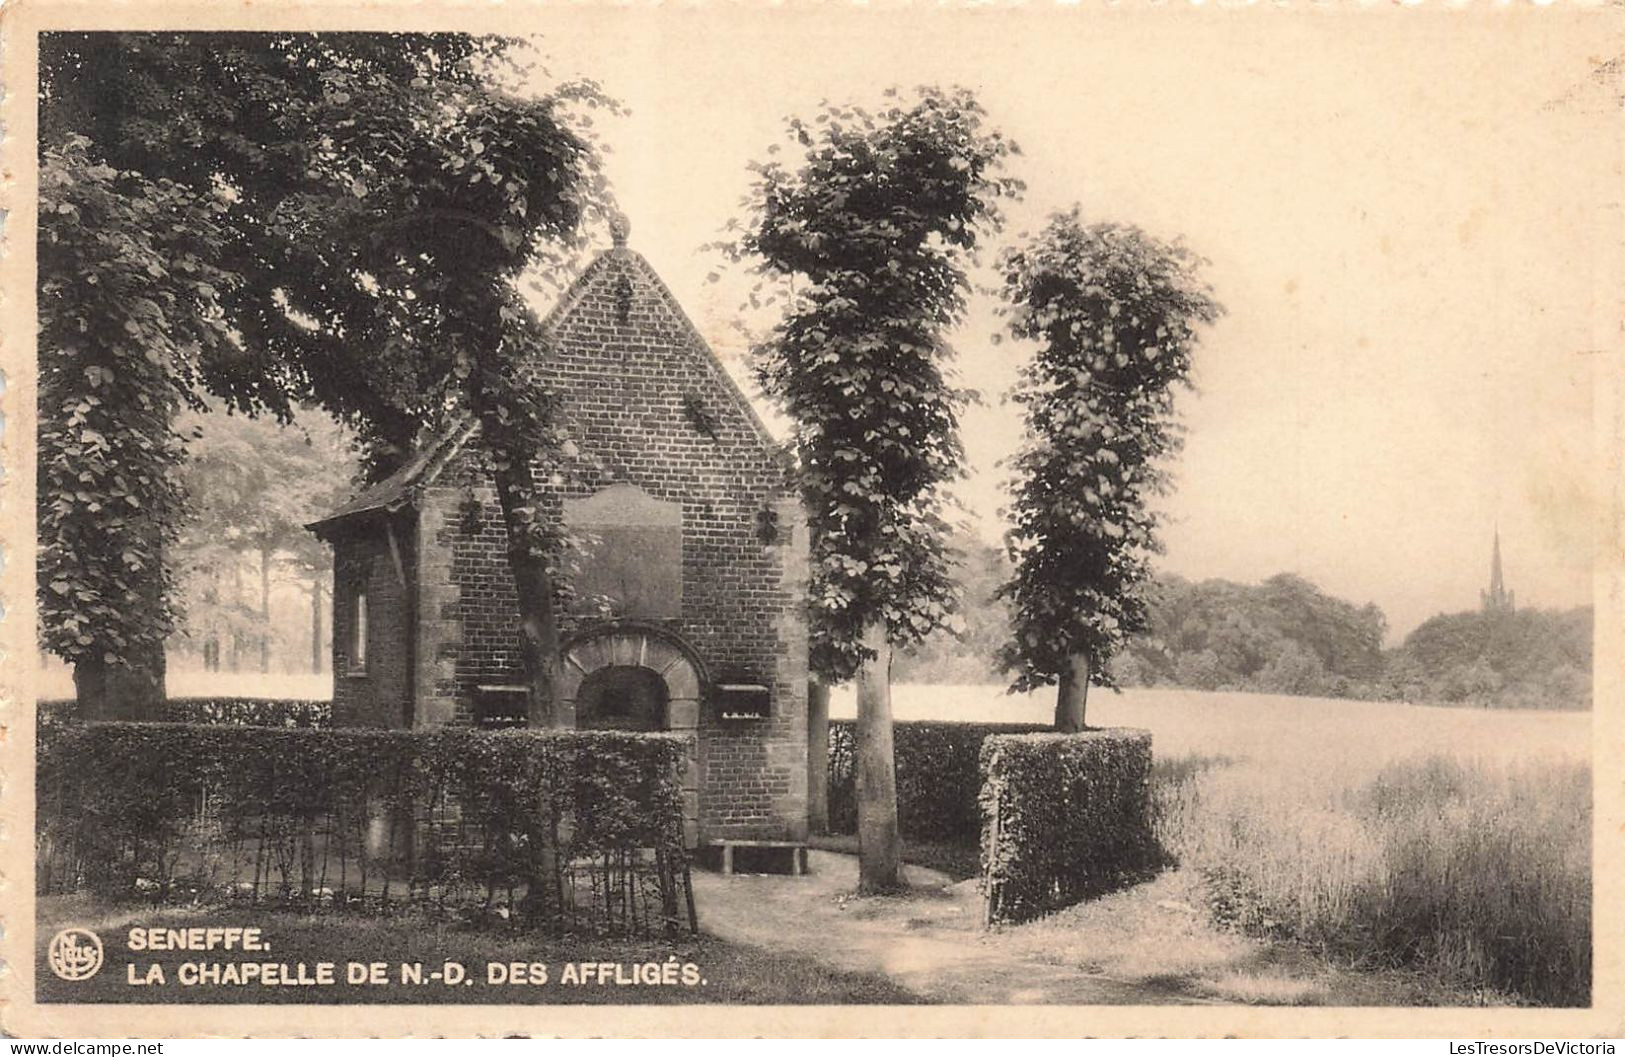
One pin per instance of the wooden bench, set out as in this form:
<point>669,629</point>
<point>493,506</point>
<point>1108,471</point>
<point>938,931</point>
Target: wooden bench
<point>796,848</point>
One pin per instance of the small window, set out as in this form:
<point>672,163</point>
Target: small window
<point>358,633</point>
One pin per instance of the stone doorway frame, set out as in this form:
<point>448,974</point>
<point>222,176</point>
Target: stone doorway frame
<point>640,645</point>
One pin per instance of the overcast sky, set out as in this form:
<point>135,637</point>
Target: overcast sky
<point>1410,242</point>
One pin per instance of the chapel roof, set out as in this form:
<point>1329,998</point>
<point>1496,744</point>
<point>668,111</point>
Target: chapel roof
<point>400,489</point>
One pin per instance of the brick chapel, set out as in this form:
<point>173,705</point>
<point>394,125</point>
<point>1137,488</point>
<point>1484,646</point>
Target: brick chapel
<point>683,609</point>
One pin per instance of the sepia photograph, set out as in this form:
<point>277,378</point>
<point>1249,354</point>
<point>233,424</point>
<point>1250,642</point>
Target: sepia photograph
<point>709,509</point>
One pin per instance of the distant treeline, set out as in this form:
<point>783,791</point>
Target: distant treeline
<point>1286,636</point>
<point>1529,658</point>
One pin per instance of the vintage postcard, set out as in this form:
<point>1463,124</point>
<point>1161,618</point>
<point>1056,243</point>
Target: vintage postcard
<point>814,519</point>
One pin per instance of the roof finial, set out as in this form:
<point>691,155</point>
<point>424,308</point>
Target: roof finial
<point>619,229</point>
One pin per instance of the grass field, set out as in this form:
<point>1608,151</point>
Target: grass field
<point>1454,842</point>
<point>1476,872</point>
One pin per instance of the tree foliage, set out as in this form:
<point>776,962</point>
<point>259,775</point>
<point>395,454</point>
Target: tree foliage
<point>967,652</point>
<point>352,169</point>
<point>1527,658</point>
<point>252,485</point>
<point>1283,636</point>
<point>354,208</point>
<point>1286,635</point>
<point>873,226</point>
<point>129,298</point>
<point>1115,315</point>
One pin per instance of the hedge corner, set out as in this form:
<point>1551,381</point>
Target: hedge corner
<point>1065,817</point>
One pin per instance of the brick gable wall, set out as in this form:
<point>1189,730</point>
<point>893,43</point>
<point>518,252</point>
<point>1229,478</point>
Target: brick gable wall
<point>648,405</point>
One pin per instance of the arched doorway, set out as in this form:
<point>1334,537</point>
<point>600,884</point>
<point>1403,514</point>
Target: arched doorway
<point>630,676</point>
<point>622,697</point>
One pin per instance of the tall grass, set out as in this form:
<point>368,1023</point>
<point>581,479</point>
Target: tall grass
<point>1452,841</point>
<point>1477,872</point>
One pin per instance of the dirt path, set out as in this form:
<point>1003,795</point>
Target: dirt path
<point>930,941</point>
<point>1146,946</point>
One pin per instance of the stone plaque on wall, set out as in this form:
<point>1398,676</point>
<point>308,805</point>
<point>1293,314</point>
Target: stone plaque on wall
<point>630,553</point>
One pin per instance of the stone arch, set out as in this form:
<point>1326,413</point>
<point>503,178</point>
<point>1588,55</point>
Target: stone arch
<point>622,644</point>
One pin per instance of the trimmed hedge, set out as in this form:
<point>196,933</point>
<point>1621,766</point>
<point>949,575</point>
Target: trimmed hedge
<point>1064,817</point>
<point>938,777</point>
<point>234,711</point>
<point>565,829</point>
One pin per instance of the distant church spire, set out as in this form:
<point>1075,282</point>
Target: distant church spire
<point>1497,599</point>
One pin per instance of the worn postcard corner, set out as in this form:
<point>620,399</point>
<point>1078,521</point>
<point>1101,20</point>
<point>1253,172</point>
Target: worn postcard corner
<point>712,520</point>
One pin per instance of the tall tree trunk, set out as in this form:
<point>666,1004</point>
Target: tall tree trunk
<point>265,610</point>
<point>90,689</point>
<point>1072,695</point>
<point>316,624</point>
<point>211,646</point>
<point>538,625</point>
<point>817,756</point>
<point>132,691</point>
<point>880,845</point>
<point>236,604</point>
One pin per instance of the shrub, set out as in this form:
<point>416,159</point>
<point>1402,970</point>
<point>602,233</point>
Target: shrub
<point>234,711</point>
<point>1294,670</point>
<point>939,777</point>
<point>1199,671</point>
<point>1064,817</point>
<point>570,829</point>
<point>249,711</point>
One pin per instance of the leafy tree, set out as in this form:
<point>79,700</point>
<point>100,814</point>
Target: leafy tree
<point>1527,658</point>
<point>1346,639</point>
<point>1284,635</point>
<point>1115,314</point>
<point>1242,643</point>
<point>1199,671</point>
<point>967,653</point>
<point>129,308</point>
<point>1473,680</point>
<point>371,199</point>
<point>1295,670</point>
<point>252,486</point>
<point>874,225</point>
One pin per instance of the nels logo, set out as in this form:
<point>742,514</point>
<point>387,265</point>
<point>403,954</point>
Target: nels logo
<point>75,954</point>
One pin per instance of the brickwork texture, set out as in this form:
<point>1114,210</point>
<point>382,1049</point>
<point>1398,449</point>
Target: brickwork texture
<point>648,406</point>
